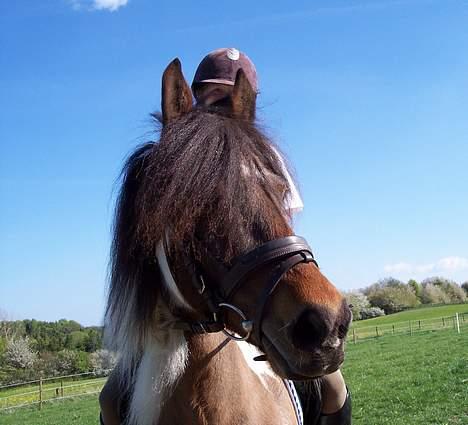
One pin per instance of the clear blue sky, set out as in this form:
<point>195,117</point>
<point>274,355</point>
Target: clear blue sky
<point>369,99</point>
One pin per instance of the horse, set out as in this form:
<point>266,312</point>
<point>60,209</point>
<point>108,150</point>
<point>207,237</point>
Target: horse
<point>214,304</point>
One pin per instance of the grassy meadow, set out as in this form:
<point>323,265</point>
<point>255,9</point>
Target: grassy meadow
<point>80,411</point>
<point>422,313</point>
<point>410,380</point>
<point>401,379</point>
<point>50,390</point>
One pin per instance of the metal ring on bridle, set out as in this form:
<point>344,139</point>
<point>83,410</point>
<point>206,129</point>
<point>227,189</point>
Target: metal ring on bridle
<point>246,324</point>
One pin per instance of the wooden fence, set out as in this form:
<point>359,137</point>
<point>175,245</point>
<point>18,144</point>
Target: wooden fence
<point>458,322</point>
<point>48,389</point>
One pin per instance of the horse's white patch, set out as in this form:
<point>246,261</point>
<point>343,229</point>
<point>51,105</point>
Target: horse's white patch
<point>161,365</point>
<point>261,369</point>
<point>169,279</point>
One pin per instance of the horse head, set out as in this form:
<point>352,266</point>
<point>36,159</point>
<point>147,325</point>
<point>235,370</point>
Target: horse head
<point>202,228</point>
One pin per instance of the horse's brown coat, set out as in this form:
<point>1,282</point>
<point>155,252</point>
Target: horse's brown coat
<point>192,186</point>
<point>219,388</point>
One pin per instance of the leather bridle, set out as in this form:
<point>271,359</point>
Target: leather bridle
<point>279,255</point>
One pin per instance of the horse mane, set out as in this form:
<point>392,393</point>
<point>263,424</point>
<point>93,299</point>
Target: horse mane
<point>214,170</point>
<point>208,169</point>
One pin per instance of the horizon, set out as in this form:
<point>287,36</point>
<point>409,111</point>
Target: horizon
<point>367,99</point>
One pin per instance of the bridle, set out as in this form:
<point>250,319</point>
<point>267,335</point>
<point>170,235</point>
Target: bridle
<point>280,255</point>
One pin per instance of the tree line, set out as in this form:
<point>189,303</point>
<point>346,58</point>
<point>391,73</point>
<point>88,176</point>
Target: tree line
<point>391,295</point>
<point>30,349</point>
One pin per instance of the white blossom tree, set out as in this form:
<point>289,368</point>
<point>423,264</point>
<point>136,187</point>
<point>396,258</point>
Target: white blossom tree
<point>19,354</point>
<point>102,361</point>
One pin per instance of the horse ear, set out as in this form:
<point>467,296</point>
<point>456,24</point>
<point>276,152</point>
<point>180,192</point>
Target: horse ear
<point>243,98</point>
<point>176,98</point>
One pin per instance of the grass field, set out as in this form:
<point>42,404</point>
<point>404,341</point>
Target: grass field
<point>394,380</point>
<point>410,380</point>
<point>423,313</point>
<point>80,411</point>
<point>50,390</point>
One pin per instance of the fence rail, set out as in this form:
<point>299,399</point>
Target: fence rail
<point>44,390</point>
<point>457,322</point>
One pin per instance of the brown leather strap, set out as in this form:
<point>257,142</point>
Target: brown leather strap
<point>264,254</point>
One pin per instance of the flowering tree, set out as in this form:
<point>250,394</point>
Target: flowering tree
<point>19,354</point>
<point>102,361</point>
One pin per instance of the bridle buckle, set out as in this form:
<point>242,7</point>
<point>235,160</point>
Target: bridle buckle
<point>246,324</point>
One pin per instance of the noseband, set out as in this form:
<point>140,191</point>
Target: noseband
<point>279,255</point>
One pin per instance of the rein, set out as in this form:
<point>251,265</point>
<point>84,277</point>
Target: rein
<point>281,254</point>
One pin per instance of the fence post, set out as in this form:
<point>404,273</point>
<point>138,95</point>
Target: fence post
<point>40,393</point>
<point>443,322</point>
<point>377,331</point>
<point>61,388</point>
<point>354,336</point>
<point>458,323</point>
<point>393,329</point>
<point>419,321</point>
<point>410,329</point>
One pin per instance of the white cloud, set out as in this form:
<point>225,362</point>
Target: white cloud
<point>110,5</point>
<point>453,263</point>
<point>447,264</point>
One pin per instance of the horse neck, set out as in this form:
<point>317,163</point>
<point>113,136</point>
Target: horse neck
<point>222,384</point>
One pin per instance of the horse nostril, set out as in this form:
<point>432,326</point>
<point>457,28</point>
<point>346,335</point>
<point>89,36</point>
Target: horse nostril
<point>310,330</point>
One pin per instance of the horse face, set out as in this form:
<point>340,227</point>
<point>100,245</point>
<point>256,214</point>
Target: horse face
<point>304,323</point>
<point>305,320</point>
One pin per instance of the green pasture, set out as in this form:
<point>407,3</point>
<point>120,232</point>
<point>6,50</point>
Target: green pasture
<point>410,380</point>
<point>50,390</point>
<point>422,313</point>
<point>395,380</point>
<point>79,411</point>
<point>410,321</point>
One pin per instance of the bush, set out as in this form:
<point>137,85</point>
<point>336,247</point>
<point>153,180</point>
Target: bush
<point>391,295</point>
<point>370,312</point>
<point>432,294</point>
<point>357,302</point>
<point>18,354</point>
<point>102,361</point>
<point>454,292</point>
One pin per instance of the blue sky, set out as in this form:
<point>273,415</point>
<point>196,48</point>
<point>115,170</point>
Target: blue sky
<point>367,98</point>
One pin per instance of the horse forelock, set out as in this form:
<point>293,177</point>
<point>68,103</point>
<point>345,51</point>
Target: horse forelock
<point>194,175</point>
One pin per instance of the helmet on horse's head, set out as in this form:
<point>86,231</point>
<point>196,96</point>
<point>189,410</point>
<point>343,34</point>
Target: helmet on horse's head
<point>217,72</point>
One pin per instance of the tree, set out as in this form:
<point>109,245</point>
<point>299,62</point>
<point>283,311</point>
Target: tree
<point>393,299</point>
<point>360,306</point>
<point>416,287</point>
<point>465,287</point>
<point>432,294</point>
<point>102,361</point>
<point>391,295</point>
<point>19,354</point>
<point>93,341</point>
<point>370,312</point>
<point>454,292</point>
